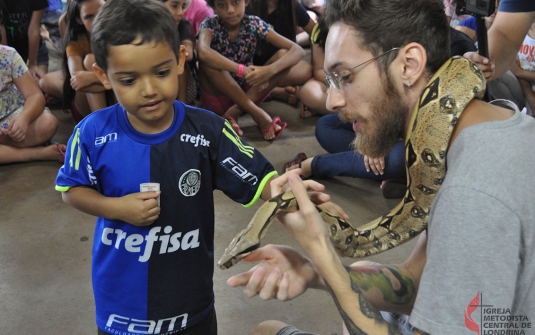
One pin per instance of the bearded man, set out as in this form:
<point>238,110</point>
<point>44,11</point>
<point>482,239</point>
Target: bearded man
<point>385,62</point>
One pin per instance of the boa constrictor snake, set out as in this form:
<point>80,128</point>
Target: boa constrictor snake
<point>446,95</point>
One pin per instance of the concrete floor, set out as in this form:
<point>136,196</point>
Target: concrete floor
<point>45,245</point>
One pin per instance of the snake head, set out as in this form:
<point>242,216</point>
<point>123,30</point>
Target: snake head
<point>225,263</point>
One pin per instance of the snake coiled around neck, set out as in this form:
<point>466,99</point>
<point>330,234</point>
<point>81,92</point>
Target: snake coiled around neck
<point>434,117</point>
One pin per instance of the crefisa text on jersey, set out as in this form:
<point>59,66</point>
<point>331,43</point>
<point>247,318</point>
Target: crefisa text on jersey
<point>195,140</point>
<point>168,243</point>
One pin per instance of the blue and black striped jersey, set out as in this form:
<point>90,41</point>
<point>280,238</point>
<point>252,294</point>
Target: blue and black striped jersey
<point>158,279</point>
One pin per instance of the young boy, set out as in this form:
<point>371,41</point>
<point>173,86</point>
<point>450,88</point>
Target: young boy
<point>153,251</point>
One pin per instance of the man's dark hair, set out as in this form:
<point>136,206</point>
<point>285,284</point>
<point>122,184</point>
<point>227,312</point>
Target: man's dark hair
<point>385,24</point>
<point>121,22</point>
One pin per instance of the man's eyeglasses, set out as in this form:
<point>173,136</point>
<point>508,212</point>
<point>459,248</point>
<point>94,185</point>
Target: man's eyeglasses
<point>334,80</point>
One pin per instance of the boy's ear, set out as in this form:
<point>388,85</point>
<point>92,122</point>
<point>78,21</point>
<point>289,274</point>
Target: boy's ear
<point>101,75</point>
<point>181,59</point>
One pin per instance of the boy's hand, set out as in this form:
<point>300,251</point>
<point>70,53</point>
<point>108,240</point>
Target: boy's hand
<point>140,209</point>
<point>280,185</point>
<point>17,129</point>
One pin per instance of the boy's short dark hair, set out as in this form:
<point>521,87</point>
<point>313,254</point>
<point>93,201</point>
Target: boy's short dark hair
<point>386,24</point>
<point>121,22</point>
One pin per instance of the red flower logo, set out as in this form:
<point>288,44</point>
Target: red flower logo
<point>468,321</point>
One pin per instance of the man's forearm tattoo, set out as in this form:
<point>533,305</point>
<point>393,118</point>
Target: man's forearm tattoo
<point>350,325</point>
<point>366,309</point>
<point>396,287</point>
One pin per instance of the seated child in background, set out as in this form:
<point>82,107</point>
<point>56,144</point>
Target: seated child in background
<point>177,9</point>
<point>153,258</point>
<point>25,123</point>
<point>23,26</point>
<point>506,86</point>
<point>286,17</point>
<point>197,11</point>
<point>50,23</point>
<point>524,68</point>
<point>313,94</point>
<point>337,138</point>
<point>77,85</point>
<point>230,83</point>
<point>81,87</point>
<point>52,83</point>
<point>454,12</point>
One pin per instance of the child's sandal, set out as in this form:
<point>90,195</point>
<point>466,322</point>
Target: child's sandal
<point>276,121</point>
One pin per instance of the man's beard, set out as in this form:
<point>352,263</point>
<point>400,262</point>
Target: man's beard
<point>386,124</point>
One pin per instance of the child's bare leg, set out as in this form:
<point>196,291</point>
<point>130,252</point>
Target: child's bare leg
<point>42,70</point>
<point>89,60</point>
<point>82,104</point>
<point>9,154</point>
<point>216,83</point>
<point>52,83</point>
<point>298,75</point>
<point>96,101</point>
<point>255,94</point>
<point>39,131</point>
<point>287,94</point>
<point>314,96</point>
<point>260,117</point>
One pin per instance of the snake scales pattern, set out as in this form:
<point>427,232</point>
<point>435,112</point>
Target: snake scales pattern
<point>446,95</point>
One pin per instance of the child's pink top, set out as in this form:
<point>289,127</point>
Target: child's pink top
<point>197,11</point>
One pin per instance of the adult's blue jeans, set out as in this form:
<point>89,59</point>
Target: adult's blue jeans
<point>336,137</point>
